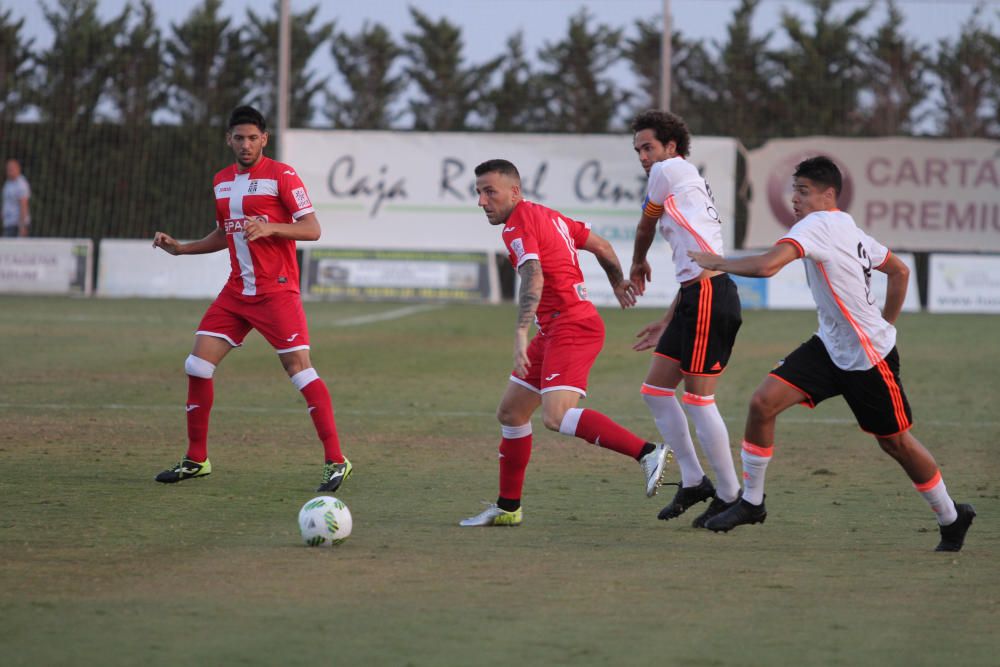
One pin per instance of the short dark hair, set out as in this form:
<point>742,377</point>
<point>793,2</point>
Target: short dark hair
<point>247,115</point>
<point>667,127</point>
<point>822,171</point>
<point>500,166</point>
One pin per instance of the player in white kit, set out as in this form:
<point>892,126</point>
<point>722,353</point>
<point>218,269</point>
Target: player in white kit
<point>694,339</point>
<point>853,354</point>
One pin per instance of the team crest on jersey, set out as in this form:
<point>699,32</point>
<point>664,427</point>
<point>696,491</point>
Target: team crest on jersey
<point>252,187</point>
<point>517,245</point>
<point>301,198</point>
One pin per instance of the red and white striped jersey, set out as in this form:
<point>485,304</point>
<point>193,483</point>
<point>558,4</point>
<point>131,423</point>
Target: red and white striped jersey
<point>839,259</point>
<point>271,190</point>
<point>678,195</point>
<point>535,232</point>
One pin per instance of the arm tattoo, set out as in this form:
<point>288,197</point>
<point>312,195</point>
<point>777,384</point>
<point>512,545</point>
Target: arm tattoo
<point>530,294</point>
<point>612,268</point>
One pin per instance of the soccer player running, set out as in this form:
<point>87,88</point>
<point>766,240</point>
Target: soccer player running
<point>694,339</point>
<point>262,208</point>
<point>853,354</point>
<point>552,369</point>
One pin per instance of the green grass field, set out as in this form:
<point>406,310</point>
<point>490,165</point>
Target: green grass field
<point>101,566</point>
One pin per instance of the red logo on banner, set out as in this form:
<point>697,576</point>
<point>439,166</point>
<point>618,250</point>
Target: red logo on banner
<point>779,186</point>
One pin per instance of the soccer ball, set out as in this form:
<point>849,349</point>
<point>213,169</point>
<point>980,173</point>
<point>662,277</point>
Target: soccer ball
<point>324,521</point>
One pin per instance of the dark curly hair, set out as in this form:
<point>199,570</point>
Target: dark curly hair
<point>667,127</point>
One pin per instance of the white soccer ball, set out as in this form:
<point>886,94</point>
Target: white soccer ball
<point>325,522</point>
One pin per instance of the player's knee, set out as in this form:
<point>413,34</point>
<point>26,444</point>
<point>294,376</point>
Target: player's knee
<point>893,445</point>
<point>763,405</point>
<point>553,418</point>
<point>198,367</point>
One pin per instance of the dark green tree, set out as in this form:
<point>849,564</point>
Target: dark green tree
<point>451,95</point>
<point>15,66</point>
<point>580,94</point>
<point>823,71</point>
<point>897,84</point>
<point>517,104</point>
<point>642,51</point>
<point>77,66</point>
<point>366,61</point>
<point>966,69</point>
<point>305,40</point>
<point>210,67</point>
<point>137,84</point>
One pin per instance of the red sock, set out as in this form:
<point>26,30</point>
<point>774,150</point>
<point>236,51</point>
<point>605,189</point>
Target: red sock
<point>514,455</point>
<point>601,430</point>
<point>321,410</point>
<point>199,405</point>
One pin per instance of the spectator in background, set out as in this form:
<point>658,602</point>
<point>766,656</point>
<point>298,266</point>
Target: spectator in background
<point>16,192</point>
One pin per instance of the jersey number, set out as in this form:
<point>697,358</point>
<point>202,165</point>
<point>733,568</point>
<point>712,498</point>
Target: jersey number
<point>866,269</point>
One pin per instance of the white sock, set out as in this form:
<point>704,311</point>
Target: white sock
<point>714,440</point>
<point>673,427</point>
<point>755,460</point>
<point>936,495</point>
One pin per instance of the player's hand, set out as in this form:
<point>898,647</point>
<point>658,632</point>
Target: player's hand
<point>167,243</point>
<point>521,362</point>
<point>625,293</point>
<point>639,275</point>
<point>256,228</point>
<point>649,335</point>
<point>705,260</point>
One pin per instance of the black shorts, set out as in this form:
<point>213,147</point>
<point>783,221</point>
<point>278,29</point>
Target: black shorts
<point>703,329</point>
<point>876,395</point>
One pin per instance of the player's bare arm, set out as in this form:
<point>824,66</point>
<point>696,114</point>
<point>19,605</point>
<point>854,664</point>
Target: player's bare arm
<point>306,228</point>
<point>527,304</point>
<point>899,279</point>
<point>213,242</point>
<point>755,266</point>
<point>641,272</point>
<point>606,257</point>
<point>650,334</point>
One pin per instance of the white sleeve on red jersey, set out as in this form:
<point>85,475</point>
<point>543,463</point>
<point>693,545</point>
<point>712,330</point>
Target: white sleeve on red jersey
<point>293,193</point>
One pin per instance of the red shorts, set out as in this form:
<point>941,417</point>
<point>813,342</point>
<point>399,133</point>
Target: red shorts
<point>561,356</point>
<point>278,316</point>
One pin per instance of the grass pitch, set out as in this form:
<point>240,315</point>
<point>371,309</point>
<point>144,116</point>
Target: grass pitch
<point>101,566</point>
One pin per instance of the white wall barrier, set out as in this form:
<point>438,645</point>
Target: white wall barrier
<point>131,268</point>
<point>964,284</point>
<point>46,266</point>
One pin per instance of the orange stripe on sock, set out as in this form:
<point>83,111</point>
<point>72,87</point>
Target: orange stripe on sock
<point>757,450</point>
<point>930,484</point>
<point>655,391</point>
<point>695,399</point>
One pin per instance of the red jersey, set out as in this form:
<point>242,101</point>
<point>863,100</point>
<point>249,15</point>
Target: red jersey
<point>535,232</point>
<point>271,190</point>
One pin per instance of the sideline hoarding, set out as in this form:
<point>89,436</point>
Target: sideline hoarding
<point>963,284</point>
<point>416,190</point>
<point>131,268</point>
<point>46,266</point>
<point>399,275</point>
<point>910,194</point>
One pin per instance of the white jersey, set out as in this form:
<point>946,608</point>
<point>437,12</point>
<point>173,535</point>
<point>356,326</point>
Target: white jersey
<point>679,196</point>
<point>839,259</point>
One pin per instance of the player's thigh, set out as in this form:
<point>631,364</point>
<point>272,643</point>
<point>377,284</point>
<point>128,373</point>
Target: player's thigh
<point>226,319</point>
<point>517,404</point>
<point>211,348</point>
<point>555,404</point>
<point>295,361</point>
<point>774,396</point>
<point>809,370</point>
<point>664,372</point>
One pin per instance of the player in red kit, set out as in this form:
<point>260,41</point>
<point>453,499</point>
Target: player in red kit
<point>551,371</point>
<point>261,209</point>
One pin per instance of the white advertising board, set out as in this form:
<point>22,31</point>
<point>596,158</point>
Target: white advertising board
<point>131,268</point>
<point>416,190</point>
<point>910,194</point>
<point>660,291</point>
<point>964,284</point>
<point>46,266</point>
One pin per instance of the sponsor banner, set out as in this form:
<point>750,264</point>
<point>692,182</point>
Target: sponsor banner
<point>416,190</point>
<point>964,284</point>
<point>399,275</point>
<point>46,266</point>
<point>131,268</point>
<point>788,289</point>
<point>910,194</point>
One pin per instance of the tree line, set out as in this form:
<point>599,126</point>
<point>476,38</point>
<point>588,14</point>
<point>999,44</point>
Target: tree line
<point>127,92</point>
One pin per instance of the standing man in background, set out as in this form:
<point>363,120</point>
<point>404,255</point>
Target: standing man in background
<point>262,208</point>
<point>16,193</point>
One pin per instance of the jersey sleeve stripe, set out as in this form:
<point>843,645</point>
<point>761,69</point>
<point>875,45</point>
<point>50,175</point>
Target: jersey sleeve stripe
<point>525,258</point>
<point>796,244</point>
<point>887,256</point>
<point>676,214</point>
<point>305,211</point>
